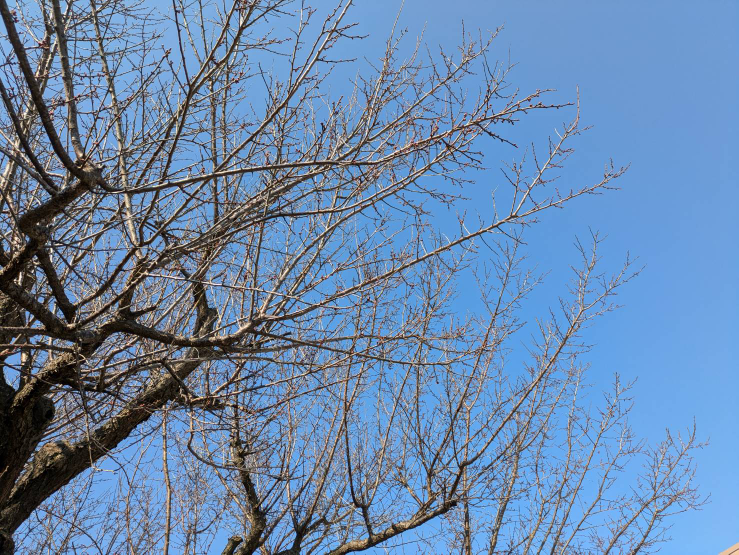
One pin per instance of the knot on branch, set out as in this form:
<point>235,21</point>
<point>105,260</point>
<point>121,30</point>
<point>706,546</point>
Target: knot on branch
<point>42,414</point>
<point>92,175</point>
<point>48,455</point>
<point>87,337</point>
<point>40,234</point>
<point>93,172</point>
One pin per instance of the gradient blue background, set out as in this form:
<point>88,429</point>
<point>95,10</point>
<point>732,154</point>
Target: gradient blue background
<point>659,81</point>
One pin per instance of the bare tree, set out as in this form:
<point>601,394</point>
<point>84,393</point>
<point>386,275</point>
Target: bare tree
<point>228,318</point>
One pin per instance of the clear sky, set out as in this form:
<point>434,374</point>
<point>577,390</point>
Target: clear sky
<point>659,81</point>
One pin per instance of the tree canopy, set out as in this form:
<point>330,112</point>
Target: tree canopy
<point>227,308</point>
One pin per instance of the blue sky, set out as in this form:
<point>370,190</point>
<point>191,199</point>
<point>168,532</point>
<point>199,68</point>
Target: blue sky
<point>659,84</point>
